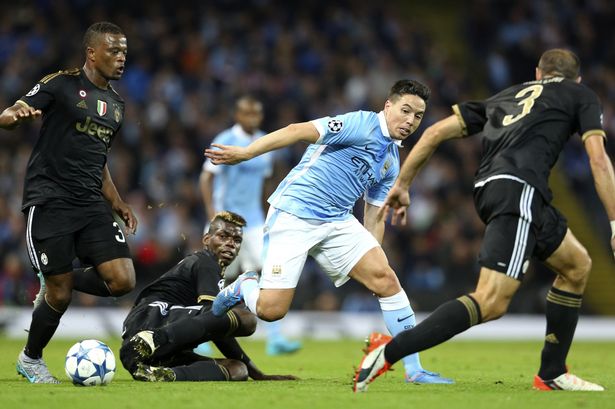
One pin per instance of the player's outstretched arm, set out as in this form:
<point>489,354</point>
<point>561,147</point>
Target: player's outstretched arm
<point>231,155</point>
<point>231,349</point>
<point>398,198</point>
<point>604,177</point>
<point>110,193</point>
<point>16,114</point>
<point>206,181</point>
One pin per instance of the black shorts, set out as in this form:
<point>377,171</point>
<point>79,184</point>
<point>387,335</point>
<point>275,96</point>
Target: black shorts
<point>519,225</point>
<point>153,314</point>
<point>56,233</point>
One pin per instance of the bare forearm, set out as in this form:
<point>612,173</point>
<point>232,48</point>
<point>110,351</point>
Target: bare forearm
<point>284,137</point>
<point>12,116</point>
<point>604,180</point>
<point>109,190</point>
<point>206,182</point>
<point>433,136</point>
<point>415,161</point>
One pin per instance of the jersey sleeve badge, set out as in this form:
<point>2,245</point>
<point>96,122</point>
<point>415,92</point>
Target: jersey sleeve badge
<point>335,125</point>
<point>34,90</point>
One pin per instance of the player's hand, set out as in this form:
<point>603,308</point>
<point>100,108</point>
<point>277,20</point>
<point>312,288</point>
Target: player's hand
<point>17,114</point>
<point>127,215</point>
<point>277,378</point>
<point>397,202</point>
<point>226,154</point>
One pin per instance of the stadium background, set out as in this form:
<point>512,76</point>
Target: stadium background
<point>188,61</point>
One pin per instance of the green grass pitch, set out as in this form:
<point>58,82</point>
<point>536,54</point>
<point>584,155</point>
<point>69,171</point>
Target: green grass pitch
<point>494,375</point>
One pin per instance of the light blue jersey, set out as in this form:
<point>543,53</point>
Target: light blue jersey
<point>354,157</point>
<point>239,188</point>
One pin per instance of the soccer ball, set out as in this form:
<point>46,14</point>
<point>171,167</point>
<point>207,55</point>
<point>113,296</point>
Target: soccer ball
<point>90,362</point>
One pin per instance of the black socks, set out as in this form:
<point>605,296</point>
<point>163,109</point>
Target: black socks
<point>45,321</point>
<point>448,320</point>
<point>562,316</point>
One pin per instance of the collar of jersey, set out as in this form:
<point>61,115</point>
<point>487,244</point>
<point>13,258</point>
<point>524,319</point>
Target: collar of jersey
<point>238,130</point>
<point>385,130</point>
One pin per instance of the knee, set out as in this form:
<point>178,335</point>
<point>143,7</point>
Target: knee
<point>122,284</point>
<point>271,308</point>
<point>237,370</point>
<point>271,313</point>
<point>247,323</point>
<point>383,282</point>
<point>58,298</point>
<point>491,305</point>
<point>578,274</point>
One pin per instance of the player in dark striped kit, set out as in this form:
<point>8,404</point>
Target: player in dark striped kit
<point>69,196</point>
<point>524,130</point>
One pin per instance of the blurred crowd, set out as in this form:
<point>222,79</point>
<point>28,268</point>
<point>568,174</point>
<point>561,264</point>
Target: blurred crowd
<point>189,61</point>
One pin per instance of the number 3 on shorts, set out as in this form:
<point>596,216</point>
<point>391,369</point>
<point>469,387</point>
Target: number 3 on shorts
<point>119,237</point>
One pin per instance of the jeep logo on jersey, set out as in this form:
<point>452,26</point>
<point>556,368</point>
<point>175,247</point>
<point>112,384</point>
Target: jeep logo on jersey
<point>335,125</point>
<point>101,107</point>
<point>91,128</point>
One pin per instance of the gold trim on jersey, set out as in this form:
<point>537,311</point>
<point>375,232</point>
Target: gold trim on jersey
<point>49,77</point>
<point>205,298</point>
<point>593,132</point>
<point>462,122</point>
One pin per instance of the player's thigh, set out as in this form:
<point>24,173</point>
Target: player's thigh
<point>147,315</point>
<point>343,251</point>
<point>286,243</point>
<point>49,254</point>
<point>102,243</point>
<point>374,272</point>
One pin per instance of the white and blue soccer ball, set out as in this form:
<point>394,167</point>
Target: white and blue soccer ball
<point>90,362</point>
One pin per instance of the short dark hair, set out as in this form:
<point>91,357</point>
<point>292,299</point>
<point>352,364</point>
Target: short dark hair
<point>229,217</point>
<point>413,87</point>
<point>96,29</point>
<point>560,62</point>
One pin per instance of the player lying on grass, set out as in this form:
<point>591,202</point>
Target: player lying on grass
<point>172,315</point>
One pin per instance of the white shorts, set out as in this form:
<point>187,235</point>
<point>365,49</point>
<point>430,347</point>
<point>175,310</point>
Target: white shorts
<point>337,246</point>
<point>250,254</point>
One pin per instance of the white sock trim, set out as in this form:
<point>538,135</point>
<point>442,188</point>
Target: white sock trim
<point>251,299</point>
<point>394,302</point>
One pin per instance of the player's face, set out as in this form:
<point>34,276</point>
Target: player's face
<point>249,115</point>
<point>404,115</point>
<point>224,241</point>
<point>110,55</point>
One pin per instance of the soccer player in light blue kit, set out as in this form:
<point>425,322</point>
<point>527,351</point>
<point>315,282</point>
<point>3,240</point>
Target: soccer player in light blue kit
<point>239,189</point>
<point>349,156</point>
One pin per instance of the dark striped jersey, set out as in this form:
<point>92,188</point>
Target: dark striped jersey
<point>80,121</point>
<point>524,128</point>
<point>194,280</point>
